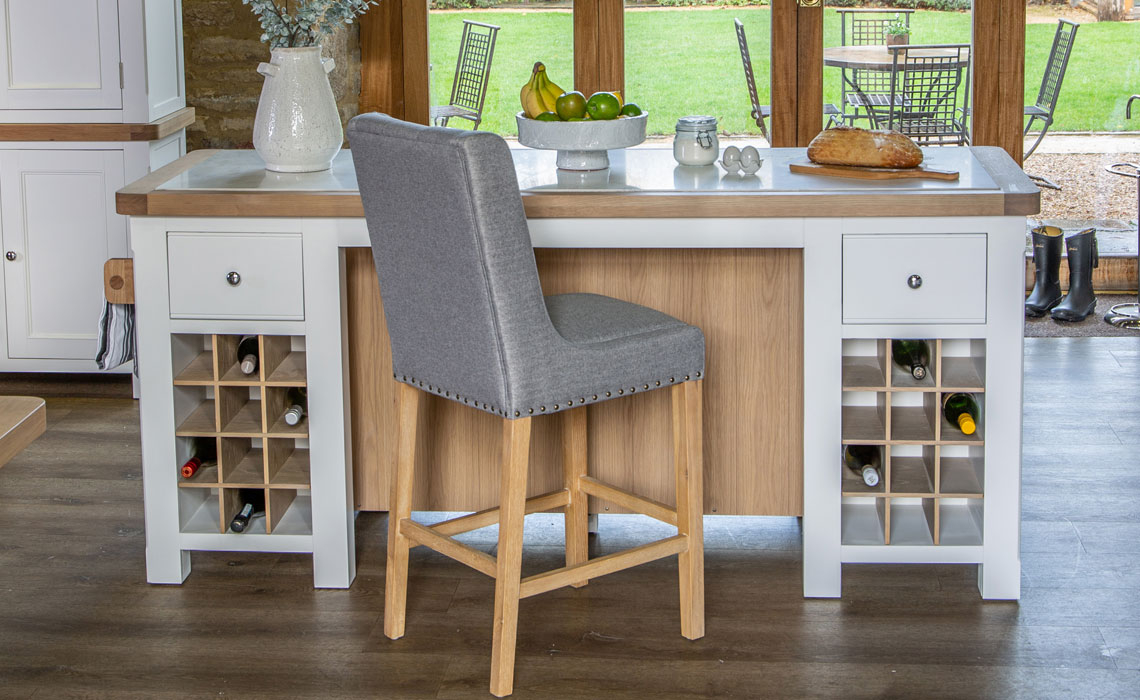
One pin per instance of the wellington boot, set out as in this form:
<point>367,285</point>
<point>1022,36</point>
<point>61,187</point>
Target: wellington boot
<point>1047,244</point>
<point>1083,257</point>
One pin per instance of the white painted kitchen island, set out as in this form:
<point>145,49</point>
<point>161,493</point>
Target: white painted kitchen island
<point>798,281</point>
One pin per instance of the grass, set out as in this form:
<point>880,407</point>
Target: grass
<point>686,62</point>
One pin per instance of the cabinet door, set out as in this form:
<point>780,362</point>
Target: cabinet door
<point>60,55</point>
<point>59,223</point>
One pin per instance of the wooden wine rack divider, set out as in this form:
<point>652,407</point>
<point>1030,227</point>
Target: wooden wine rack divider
<point>234,419</point>
<point>930,477</point>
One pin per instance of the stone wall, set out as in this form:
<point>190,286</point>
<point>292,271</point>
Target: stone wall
<point>221,40</point>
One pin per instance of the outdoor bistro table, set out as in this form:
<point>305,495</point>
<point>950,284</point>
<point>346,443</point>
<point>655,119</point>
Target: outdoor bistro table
<point>877,57</point>
<point>880,59</point>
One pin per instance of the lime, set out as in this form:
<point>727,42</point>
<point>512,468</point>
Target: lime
<point>603,105</point>
<point>578,119</point>
<point>548,117</point>
<point>571,105</point>
<point>629,109</point>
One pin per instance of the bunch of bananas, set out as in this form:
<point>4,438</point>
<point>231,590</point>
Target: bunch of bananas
<point>539,94</point>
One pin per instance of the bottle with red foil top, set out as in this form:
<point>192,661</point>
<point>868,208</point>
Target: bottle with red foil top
<point>205,452</point>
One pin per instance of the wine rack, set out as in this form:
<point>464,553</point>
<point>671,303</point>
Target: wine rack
<point>242,415</point>
<point>931,487</point>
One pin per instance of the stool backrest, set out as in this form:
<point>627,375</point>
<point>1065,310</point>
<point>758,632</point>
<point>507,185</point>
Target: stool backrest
<point>453,256</point>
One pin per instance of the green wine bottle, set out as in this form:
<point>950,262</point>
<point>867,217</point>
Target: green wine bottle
<point>864,460</point>
<point>962,410</point>
<point>911,355</point>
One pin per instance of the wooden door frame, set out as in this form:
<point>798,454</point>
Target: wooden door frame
<point>394,75</point>
<point>599,46</point>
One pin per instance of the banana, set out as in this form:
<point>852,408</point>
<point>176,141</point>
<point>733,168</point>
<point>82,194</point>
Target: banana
<point>532,102</point>
<point>531,94</point>
<point>544,92</point>
<point>539,94</point>
<point>550,91</point>
<point>527,97</point>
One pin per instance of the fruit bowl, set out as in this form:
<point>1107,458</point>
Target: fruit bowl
<point>582,145</point>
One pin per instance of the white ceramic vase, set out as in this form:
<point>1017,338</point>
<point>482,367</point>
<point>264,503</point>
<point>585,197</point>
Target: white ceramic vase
<point>297,129</point>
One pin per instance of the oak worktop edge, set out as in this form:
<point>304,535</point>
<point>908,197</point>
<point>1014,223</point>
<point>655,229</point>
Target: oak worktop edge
<point>1018,196</point>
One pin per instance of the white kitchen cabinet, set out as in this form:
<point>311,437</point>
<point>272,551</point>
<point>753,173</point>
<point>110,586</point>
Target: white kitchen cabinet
<point>56,57</point>
<point>90,61</point>
<point>92,96</point>
<point>59,224</point>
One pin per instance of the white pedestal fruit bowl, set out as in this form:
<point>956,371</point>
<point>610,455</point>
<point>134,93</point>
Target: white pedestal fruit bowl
<point>582,145</point>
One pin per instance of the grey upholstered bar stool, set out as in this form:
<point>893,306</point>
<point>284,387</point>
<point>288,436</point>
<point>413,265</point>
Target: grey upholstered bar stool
<point>468,322</point>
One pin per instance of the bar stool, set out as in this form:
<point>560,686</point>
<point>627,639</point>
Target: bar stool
<point>468,322</point>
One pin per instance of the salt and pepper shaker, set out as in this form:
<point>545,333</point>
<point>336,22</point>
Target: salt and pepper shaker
<point>746,161</point>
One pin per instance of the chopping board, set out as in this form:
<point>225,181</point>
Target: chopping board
<point>864,173</point>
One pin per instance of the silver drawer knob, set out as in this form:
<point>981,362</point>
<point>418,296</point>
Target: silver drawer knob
<point>11,255</point>
<point>233,278</point>
<point>914,281</point>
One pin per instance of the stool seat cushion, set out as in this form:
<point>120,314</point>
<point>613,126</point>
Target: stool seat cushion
<point>593,318</point>
<point>604,348</point>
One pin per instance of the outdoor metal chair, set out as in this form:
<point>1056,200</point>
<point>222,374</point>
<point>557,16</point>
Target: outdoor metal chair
<point>1042,110</point>
<point>762,112</point>
<point>929,96</point>
<point>472,69</point>
<point>864,27</point>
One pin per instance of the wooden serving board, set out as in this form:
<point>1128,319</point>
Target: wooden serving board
<point>863,173</point>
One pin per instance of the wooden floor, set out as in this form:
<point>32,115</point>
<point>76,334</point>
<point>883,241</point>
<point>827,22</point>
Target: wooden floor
<point>78,620</point>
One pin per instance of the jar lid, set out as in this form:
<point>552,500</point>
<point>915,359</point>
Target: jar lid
<point>696,123</point>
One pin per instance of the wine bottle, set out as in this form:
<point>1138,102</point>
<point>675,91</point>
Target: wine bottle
<point>205,452</point>
<point>252,506</point>
<point>961,410</point>
<point>298,401</point>
<point>247,353</point>
<point>911,355</point>
<point>864,460</point>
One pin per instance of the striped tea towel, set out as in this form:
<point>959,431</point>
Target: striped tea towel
<point>116,336</point>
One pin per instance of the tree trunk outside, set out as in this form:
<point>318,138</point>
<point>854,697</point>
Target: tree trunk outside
<point>1110,10</point>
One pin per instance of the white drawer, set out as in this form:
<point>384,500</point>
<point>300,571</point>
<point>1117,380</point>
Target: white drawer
<point>270,284</point>
<point>877,267</point>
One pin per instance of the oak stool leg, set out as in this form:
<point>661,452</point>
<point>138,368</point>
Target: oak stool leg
<point>575,465</point>
<point>396,580</point>
<point>508,576</point>
<point>688,464</point>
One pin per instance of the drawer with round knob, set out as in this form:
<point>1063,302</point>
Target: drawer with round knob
<point>236,276</point>
<point>914,278</point>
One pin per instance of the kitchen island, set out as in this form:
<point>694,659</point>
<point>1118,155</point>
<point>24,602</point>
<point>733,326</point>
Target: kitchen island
<point>798,281</point>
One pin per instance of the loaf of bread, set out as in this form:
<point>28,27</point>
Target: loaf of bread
<point>849,145</point>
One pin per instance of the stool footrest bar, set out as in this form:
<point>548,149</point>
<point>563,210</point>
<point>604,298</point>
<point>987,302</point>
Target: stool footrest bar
<point>535,504</point>
<point>627,500</point>
<point>420,535</point>
<point>618,561</point>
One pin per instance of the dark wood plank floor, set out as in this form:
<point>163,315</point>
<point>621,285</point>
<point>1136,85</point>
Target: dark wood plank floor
<point>78,620</point>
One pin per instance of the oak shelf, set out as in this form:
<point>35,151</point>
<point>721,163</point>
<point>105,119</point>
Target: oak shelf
<point>201,423</point>
<point>200,371</point>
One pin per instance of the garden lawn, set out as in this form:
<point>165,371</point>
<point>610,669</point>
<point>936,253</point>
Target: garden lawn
<point>681,62</point>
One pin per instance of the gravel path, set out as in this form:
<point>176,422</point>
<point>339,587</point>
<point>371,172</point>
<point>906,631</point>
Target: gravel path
<point>1087,192</point>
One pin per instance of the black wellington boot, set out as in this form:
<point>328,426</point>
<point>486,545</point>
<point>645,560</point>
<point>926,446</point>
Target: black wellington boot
<point>1047,244</point>
<point>1083,257</point>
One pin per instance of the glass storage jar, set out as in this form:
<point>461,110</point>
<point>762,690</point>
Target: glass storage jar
<point>696,142</point>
